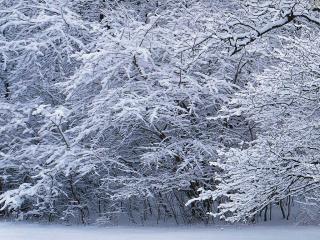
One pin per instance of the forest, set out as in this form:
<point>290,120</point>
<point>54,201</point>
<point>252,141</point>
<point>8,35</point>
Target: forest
<point>160,111</point>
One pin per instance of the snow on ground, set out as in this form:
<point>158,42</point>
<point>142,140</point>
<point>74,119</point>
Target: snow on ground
<point>10,231</point>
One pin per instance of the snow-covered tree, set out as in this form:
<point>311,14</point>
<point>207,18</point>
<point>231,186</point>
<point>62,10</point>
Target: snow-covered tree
<point>283,161</point>
<point>156,78</point>
<point>38,41</point>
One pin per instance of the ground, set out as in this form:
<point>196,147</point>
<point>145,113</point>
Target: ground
<point>10,231</point>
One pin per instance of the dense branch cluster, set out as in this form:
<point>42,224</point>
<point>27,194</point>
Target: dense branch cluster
<point>158,110</point>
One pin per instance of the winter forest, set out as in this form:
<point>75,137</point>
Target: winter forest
<point>160,111</point>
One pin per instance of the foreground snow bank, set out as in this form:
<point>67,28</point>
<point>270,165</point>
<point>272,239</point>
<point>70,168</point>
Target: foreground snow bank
<point>38,232</point>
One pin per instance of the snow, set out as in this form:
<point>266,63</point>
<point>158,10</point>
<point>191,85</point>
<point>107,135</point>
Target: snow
<point>11,231</point>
